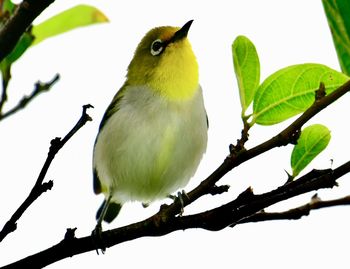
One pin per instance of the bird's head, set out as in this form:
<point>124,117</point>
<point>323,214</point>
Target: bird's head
<point>164,62</point>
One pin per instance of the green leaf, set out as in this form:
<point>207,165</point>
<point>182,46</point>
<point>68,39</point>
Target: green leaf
<point>247,68</point>
<point>312,141</point>
<point>78,16</point>
<point>5,70</point>
<point>7,6</point>
<point>337,12</point>
<point>22,45</point>
<point>291,91</point>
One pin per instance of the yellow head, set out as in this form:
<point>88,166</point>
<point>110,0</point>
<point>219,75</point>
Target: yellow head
<point>164,61</point>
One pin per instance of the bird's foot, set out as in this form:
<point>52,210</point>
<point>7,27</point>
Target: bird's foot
<point>180,196</point>
<point>96,235</point>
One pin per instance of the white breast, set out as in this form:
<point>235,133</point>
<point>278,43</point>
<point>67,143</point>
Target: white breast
<point>151,146</point>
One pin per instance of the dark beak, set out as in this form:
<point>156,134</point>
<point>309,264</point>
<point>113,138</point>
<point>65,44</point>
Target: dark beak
<point>182,33</point>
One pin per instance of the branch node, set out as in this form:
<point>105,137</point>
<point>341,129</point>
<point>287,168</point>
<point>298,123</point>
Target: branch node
<point>46,186</point>
<point>55,143</point>
<point>86,117</point>
<point>290,177</point>
<point>70,234</point>
<point>214,190</point>
<point>321,92</point>
<point>294,137</point>
<point>246,195</point>
<point>315,198</point>
<point>237,149</point>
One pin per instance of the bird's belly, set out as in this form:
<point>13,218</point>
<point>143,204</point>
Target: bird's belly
<point>145,159</point>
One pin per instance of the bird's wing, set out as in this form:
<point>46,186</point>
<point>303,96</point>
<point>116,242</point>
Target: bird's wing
<point>113,107</point>
<point>96,182</point>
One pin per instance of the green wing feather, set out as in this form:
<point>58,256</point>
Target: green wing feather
<point>112,108</point>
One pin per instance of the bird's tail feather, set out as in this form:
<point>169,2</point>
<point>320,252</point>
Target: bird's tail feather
<point>112,211</point>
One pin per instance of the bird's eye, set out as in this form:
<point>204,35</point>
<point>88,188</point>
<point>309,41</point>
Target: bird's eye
<point>157,47</point>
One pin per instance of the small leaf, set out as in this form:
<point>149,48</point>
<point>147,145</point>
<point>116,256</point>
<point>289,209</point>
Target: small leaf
<point>291,91</point>
<point>7,6</point>
<point>312,141</point>
<point>78,16</point>
<point>337,12</point>
<point>22,45</point>
<point>247,68</point>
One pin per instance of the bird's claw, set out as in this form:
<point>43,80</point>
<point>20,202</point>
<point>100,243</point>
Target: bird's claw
<point>180,196</point>
<point>96,235</point>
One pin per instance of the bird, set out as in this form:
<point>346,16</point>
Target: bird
<point>153,134</point>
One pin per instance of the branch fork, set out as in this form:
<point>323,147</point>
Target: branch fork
<point>40,187</point>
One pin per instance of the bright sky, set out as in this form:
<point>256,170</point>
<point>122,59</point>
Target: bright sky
<point>92,63</point>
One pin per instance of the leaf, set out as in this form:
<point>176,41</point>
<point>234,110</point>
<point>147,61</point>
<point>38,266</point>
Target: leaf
<point>7,6</point>
<point>337,12</point>
<point>78,16</point>
<point>312,141</point>
<point>247,68</point>
<point>291,91</point>
<point>22,45</point>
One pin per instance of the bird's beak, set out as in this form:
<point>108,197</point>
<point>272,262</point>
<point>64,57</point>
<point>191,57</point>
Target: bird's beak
<point>182,33</point>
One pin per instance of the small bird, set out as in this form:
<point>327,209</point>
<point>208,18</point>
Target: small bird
<point>154,132</point>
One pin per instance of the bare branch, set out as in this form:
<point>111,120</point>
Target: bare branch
<point>247,204</point>
<point>23,17</point>
<point>40,187</point>
<point>161,223</point>
<point>298,212</point>
<point>38,88</point>
<point>230,214</point>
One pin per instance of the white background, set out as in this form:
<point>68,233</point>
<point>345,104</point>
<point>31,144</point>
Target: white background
<point>92,63</point>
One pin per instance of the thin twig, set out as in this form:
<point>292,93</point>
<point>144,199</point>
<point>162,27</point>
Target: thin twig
<point>239,147</point>
<point>39,88</point>
<point>158,225</point>
<point>40,187</point>
<point>298,212</point>
<point>286,136</point>
<point>233,212</point>
<point>165,221</point>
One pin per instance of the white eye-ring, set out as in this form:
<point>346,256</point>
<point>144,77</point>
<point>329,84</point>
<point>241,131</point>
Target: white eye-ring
<point>157,47</point>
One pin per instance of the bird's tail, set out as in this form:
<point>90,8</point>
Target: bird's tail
<point>111,211</point>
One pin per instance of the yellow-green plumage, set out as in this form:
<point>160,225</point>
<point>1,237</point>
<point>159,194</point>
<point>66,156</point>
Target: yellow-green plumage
<point>154,132</point>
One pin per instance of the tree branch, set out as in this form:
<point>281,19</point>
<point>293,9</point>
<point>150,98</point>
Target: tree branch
<point>230,214</point>
<point>161,224</point>
<point>40,187</point>
<point>286,136</point>
<point>298,212</point>
<point>247,204</point>
<point>39,87</point>
<point>14,27</point>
